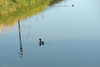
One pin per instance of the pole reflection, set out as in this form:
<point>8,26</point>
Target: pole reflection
<point>20,41</point>
<point>0,30</point>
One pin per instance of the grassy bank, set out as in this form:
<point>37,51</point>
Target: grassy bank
<point>7,6</point>
<point>23,13</point>
<point>10,17</point>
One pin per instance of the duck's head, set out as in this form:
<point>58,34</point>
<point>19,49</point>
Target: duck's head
<point>40,39</point>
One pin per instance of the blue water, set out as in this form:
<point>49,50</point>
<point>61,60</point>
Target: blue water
<point>71,36</point>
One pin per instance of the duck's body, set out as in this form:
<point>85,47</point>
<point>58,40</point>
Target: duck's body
<point>41,42</point>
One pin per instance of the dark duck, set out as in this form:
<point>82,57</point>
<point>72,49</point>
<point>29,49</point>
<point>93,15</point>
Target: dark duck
<point>41,42</point>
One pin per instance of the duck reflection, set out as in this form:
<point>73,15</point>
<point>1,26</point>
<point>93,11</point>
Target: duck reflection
<point>41,42</point>
<point>20,41</point>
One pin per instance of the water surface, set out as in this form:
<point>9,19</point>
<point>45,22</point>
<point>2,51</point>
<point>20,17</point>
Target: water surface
<point>71,37</point>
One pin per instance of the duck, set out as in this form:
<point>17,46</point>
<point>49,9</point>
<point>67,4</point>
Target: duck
<point>41,42</point>
<point>73,5</point>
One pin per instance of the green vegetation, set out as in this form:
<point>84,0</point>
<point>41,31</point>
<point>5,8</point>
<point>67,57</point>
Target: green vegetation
<point>7,6</point>
<point>16,12</point>
<point>21,13</point>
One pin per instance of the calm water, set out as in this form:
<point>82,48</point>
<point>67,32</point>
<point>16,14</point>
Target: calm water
<point>71,37</point>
